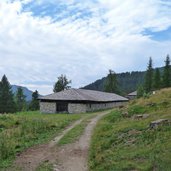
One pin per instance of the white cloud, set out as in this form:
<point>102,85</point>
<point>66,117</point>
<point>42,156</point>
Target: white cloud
<point>36,49</point>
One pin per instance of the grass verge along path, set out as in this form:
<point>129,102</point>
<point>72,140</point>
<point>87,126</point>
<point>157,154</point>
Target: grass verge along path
<point>23,130</point>
<point>128,143</point>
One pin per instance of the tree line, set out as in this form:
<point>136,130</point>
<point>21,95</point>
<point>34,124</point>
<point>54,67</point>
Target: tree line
<point>144,82</point>
<point>155,79</point>
<point>126,82</point>
<point>11,103</point>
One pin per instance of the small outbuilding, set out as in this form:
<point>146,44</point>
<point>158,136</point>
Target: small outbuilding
<point>132,95</point>
<point>79,101</point>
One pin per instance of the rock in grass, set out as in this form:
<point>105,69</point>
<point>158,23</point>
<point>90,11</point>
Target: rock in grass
<point>137,117</point>
<point>151,104</point>
<point>141,116</point>
<point>125,114</point>
<point>145,116</point>
<point>159,122</point>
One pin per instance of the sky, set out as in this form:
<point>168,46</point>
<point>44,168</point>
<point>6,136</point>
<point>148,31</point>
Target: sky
<point>83,39</point>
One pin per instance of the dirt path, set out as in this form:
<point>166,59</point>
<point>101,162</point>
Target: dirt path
<point>71,157</point>
<point>30,159</point>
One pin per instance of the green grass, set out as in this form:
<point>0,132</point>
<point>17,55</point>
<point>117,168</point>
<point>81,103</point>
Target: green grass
<point>123,144</point>
<point>75,132</point>
<point>45,166</point>
<point>22,130</point>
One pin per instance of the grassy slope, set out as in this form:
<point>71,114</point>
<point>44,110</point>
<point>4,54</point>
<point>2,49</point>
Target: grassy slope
<point>127,144</point>
<point>22,130</point>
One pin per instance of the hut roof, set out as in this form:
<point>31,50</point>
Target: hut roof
<point>133,93</point>
<point>84,95</point>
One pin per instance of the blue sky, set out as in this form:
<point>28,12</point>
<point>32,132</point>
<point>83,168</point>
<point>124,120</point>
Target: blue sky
<point>163,35</point>
<point>42,39</point>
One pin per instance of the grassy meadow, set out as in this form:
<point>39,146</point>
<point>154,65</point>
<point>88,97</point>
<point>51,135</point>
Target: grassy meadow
<point>124,144</point>
<point>22,130</point>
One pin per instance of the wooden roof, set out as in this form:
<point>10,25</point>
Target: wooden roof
<point>84,95</point>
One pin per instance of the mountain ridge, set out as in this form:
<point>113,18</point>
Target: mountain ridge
<point>127,81</point>
<point>28,93</point>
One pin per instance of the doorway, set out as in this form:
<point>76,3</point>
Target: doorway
<point>61,107</point>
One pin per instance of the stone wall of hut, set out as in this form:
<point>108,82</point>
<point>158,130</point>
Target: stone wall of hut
<point>101,106</point>
<point>50,107</point>
<point>76,108</point>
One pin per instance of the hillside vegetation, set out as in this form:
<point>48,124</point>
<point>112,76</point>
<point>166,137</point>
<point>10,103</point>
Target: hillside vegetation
<point>127,82</point>
<point>126,142</point>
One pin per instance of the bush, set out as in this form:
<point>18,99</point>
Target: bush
<point>136,109</point>
<point>113,117</point>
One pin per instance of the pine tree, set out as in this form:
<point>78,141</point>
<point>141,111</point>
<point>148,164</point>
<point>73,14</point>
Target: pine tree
<point>167,73</point>
<point>7,104</point>
<point>61,84</point>
<point>140,91</point>
<point>20,99</point>
<point>157,80</point>
<point>149,77</point>
<point>111,84</point>
<point>34,105</point>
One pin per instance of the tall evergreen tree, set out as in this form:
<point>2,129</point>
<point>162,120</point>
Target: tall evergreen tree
<point>167,73</point>
<point>111,84</point>
<point>61,84</point>
<point>149,77</point>
<point>7,104</point>
<point>34,105</point>
<point>140,91</point>
<point>20,100</point>
<point>157,79</point>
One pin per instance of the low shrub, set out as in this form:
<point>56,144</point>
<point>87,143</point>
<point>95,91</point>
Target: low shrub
<point>136,109</point>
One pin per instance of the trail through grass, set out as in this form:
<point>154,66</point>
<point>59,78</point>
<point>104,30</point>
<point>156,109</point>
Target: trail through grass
<point>22,130</point>
<point>76,132</point>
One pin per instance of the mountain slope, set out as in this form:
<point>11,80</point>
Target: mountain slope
<point>28,93</point>
<point>127,81</point>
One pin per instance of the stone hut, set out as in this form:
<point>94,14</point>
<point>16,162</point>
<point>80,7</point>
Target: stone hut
<point>132,95</point>
<point>79,101</point>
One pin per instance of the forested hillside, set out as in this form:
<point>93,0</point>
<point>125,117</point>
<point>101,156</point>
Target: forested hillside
<point>127,81</point>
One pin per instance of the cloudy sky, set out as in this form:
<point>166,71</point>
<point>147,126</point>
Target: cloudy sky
<point>41,39</point>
